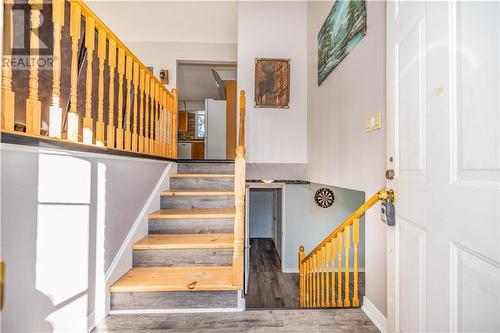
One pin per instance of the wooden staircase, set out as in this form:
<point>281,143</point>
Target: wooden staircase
<point>185,262</point>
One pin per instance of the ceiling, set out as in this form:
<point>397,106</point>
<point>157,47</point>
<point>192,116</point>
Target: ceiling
<point>197,82</point>
<point>170,21</point>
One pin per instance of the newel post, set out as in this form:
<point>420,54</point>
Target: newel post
<point>239,221</point>
<point>301,276</point>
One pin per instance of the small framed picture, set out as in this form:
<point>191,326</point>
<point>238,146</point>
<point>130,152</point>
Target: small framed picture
<point>164,76</point>
<point>272,83</point>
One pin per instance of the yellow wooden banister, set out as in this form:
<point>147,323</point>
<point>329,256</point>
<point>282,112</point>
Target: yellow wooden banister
<point>325,281</point>
<point>135,131</point>
<point>239,198</point>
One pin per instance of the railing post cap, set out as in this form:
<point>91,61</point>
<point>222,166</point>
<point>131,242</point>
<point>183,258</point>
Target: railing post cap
<point>240,151</point>
<point>301,248</point>
<point>242,92</point>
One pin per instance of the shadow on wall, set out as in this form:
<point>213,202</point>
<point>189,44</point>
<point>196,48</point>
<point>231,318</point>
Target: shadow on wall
<point>63,221</point>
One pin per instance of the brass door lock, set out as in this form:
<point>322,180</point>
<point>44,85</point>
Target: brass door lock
<point>389,174</point>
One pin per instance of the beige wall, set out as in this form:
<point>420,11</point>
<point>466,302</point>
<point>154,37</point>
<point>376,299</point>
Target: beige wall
<point>340,152</point>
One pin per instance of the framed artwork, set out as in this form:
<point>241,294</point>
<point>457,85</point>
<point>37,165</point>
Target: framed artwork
<point>272,83</point>
<point>343,29</point>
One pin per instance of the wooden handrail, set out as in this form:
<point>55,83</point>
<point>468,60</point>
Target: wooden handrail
<point>356,214</point>
<point>149,97</point>
<point>239,198</point>
<point>320,283</point>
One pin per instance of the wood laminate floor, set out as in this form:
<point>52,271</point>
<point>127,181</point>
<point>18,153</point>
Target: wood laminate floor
<point>324,320</point>
<point>269,287</point>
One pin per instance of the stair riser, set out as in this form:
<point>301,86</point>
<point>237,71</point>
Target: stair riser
<point>197,201</point>
<point>197,183</point>
<point>182,257</point>
<point>174,300</point>
<point>191,226</point>
<point>205,168</point>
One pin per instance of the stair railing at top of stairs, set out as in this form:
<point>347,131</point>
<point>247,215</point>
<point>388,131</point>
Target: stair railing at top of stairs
<point>141,117</point>
<point>239,197</point>
<point>321,271</point>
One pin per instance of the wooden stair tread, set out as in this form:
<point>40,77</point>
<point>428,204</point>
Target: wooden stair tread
<point>202,175</point>
<point>197,192</point>
<point>193,213</point>
<point>185,241</point>
<point>144,279</point>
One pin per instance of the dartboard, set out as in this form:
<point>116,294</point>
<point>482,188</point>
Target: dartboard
<point>324,197</point>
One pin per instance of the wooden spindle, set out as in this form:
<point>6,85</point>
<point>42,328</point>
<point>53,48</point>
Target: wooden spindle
<point>33,104</point>
<point>239,220</point>
<point>306,284</point>
<point>174,121</point>
<point>172,126</point>
<point>8,96</point>
<point>121,72</point>
<point>128,78</point>
<point>327,286</point>
<point>315,281</point>
<point>136,102</point>
<point>147,81</point>
<point>74,31</point>
<point>334,247</point>
<point>157,120</point>
<point>339,267</point>
<point>152,117</point>
<point>141,110</point>
<point>55,116</point>
<point>309,289</point>
<point>355,239</point>
<point>347,244</point>
<point>89,44</point>
<point>101,55</point>
<point>301,276</point>
<point>161,117</point>
<point>168,108</point>
<point>165,135</point>
<point>322,267</point>
<point>110,135</point>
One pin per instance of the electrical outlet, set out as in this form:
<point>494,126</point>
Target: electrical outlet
<point>373,122</point>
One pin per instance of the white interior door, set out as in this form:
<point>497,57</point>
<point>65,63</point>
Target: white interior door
<point>443,125</point>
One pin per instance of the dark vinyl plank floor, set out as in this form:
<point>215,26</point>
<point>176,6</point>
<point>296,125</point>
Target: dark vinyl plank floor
<point>268,287</point>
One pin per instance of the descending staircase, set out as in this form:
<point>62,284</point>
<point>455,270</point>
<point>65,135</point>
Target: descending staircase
<point>185,262</point>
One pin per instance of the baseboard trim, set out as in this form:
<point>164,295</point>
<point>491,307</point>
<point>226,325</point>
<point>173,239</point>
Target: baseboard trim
<point>375,315</point>
<point>160,311</point>
<point>91,324</point>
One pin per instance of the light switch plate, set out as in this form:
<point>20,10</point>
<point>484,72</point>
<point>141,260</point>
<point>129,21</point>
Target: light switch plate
<point>373,122</point>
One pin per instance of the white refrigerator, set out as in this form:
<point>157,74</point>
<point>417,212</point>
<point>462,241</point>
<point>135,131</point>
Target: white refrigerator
<point>215,144</point>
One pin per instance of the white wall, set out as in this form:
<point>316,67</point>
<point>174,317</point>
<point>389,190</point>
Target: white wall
<point>65,217</point>
<point>340,153</point>
<point>261,213</point>
<point>274,30</point>
<point>307,224</point>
